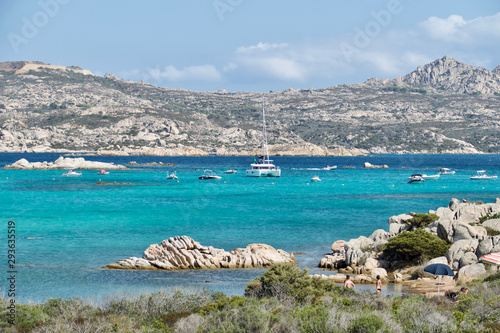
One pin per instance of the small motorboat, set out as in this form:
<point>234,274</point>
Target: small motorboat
<point>446,171</point>
<point>209,174</point>
<point>315,179</point>
<point>432,177</point>
<point>172,175</point>
<point>230,171</point>
<point>330,167</point>
<point>71,173</point>
<point>481,174</point>
<point>103,172</point>
<point>416,178</point>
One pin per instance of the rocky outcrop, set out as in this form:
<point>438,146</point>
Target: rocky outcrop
<point>450,74</point>
<point>64,163</point>
<point>369,165</point>
<point>184,253</point>
<point>459,224</point>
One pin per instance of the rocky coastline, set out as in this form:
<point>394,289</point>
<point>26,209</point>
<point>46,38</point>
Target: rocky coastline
<point>182,252</point>
<point>461,224</point>
<point>64,163</point>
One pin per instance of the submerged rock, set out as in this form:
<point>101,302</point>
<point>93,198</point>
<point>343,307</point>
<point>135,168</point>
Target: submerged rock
<point>185,253</point>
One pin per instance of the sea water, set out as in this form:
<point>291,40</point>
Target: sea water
<point>67,229</point>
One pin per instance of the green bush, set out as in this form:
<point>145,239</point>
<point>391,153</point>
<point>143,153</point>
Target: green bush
<point>312,319</point>
<point>290,282</point>
<point>415,245</point>
<point>422,220</point>
<point>368,323</point>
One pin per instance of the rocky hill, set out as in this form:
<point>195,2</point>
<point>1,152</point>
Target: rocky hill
<point>443,107</point>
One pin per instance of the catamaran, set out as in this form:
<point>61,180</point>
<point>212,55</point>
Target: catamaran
<point>264,167</point>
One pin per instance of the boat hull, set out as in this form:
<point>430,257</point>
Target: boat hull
<point>264,173</point>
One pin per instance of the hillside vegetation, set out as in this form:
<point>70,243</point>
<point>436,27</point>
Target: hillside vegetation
<point>443,107</point>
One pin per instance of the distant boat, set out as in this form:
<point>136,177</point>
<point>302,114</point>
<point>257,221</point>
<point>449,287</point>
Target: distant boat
<point>209,174</point>
<point>416,178</point>
<point>481,174</point>
<point>230,171</point>
<point>264,167</point>
<point>315,179</point>
<point>330,167</point>
<point>212,154</point>
<point>103,172</point>
<point>173,175</point>
<point>432,177</point>
<point>446,171</point>
<point>71,173</point>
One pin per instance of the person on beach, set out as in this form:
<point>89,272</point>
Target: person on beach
<point>378,285</point>
<point>348,283</point>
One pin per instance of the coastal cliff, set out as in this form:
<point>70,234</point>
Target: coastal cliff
<point>443,107</point>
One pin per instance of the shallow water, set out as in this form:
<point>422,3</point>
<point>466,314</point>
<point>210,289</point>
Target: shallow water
<point>68,228</point>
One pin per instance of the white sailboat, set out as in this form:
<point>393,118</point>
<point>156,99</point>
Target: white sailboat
<point>264,167</point>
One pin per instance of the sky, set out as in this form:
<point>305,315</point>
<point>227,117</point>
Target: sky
<point>250,45</point>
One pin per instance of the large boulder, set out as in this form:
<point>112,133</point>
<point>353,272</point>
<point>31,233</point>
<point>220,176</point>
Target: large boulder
<point>488,245</point>
<point>185,253</point>
<point>493,224</point>
<point>458,249</point>
<point>355,250</point>
<point>471,272</point>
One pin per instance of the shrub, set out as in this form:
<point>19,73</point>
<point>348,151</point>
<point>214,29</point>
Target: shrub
<point>422,220</point>
<point>367,323</point>
<point>288,281</point>
<point>312,319</point>
<point>415,245</point>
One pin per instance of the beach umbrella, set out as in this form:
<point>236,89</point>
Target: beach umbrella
<point>492,258</point>
<point>439,270</point>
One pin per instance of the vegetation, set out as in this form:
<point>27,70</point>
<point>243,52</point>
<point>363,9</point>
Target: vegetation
<point>422,220</point>
<point>412,246</point>
<point>336,310</point>
<point>405,89</point>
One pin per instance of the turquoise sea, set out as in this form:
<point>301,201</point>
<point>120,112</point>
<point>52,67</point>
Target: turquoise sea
<point>66,229</point>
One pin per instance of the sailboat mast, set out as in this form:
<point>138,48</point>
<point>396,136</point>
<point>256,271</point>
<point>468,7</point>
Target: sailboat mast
<point>264,130</point>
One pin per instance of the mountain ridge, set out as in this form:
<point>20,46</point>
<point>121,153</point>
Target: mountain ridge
<point>443,107</point>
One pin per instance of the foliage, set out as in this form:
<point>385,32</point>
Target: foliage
<point>290,282</point>
<point>368,323</point>
<point>405,89</point>
<point>489,217</point>
<point>415,245</point>
<point>179,312</point>
<point>422,220</point>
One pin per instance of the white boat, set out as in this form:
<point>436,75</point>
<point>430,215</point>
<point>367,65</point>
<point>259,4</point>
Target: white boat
<point>330,167</point>
<point>425,176</point>
<point>315,179</point>
<point>230,171</point>
<point>173,175</point>
<point>416,178</point>
<point>103,172</point>
<point>446,171</point>
<point>481,174</point>
<point>209,174</point>
<point>71,173</point>
<point>264,167</point>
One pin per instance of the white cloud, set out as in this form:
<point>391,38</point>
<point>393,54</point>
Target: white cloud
<point>456,29</point>
<point>189,73</point>
<point>260,47</point>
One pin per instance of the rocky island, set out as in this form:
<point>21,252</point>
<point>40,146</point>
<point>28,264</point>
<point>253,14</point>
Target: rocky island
<point>182,252</point>
<point>65,163</point>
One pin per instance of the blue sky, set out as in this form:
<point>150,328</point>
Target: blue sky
<point>250,45</point>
